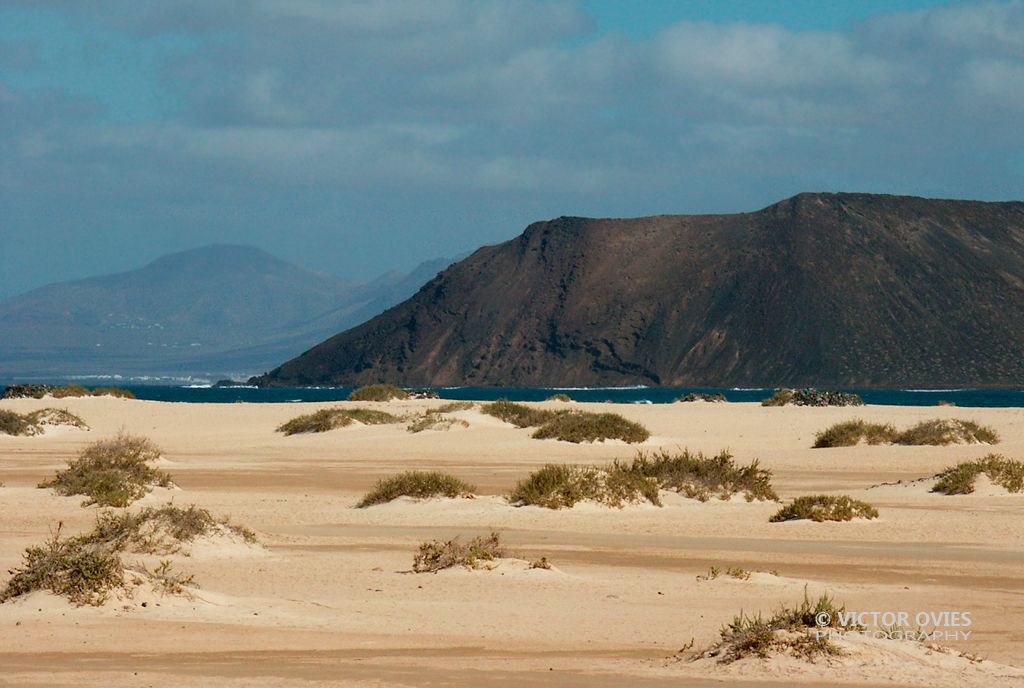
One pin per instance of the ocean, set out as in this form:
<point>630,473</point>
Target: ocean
<point>201,394</point>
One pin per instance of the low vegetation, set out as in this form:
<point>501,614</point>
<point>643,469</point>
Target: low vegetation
<point>378,393</point>
<point>812,397</point>
<point>960,479</point>
<point>732,572</point>
<point>579,426</point>
<point>928,432</point>
<point>561,396</point>
<point>161,530</point>
<point>326,420</point>
<point>701,396</point>
<point>434,421</point>
<point>437,555</point>
<point>113,472</point>
<point>824,508</point>
<point>33,423</point>
<point>795,631</point>
<point>563,485</point>
<point>519,415</point>
<point>418,484</point>
<point>701,477</point>
<point>454,406</point>
<point>60,392</point>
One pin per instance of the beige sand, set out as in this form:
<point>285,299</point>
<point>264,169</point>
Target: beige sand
<point>329,599</point>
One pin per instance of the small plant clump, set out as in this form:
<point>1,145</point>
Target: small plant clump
<point>812,397</point>
<point>960,479</point>
<point>562,485</point>
<point>454,406</point>
<point>700,477</point>
<point>33,423</point>
<point>580,427</point>
<point>853,432</point>
<point>438,555</point>
<point>113,472</point>
<point>732,572</point>
<point>519,415</point>
<point>162,530</point>
<point>700,396</point>
<point>824,508</point>
<point>947,431</point>
<point>432,420</point>
<point>795,631</point>
<point>378,393</point>
<point>561,396</point>
<point>418,484</point>
<point>326,420</point>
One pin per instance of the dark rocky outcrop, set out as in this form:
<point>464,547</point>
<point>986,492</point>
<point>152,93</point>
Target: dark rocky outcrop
<point>838,290</point>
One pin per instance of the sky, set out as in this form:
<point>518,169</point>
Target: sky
<point>361,137</point>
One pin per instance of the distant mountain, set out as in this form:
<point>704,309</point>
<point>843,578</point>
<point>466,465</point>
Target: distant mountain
<point>844,290</point>
<point>216,309</point>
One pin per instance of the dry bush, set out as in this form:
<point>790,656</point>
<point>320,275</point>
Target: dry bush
<point>824,508</point>
<point>418,484</point>
<point>519,415</point>
<point>960,479</point>
<point>378,393</point>
<point>701,477</point>
<point>437,555</point>
<point>560,485</point>
<point>581,426</point>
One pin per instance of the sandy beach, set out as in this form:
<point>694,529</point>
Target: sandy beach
<point>328,596</point>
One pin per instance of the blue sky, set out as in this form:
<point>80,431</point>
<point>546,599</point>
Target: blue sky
<point>357,137</point>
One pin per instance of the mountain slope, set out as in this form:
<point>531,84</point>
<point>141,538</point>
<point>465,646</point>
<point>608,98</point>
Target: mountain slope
<point>216,308</point>
<point>823,289</point>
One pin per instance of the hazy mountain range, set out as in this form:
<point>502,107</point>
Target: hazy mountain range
<point>215,310</point>
<point>852,290</point>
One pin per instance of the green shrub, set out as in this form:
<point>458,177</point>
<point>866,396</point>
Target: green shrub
<point>160,530</point>
<point>947,431</point>
<point>796,631</point>
<point>559,397</point>
<point>419,484</point>
<point>113,392</point>
<point>824,508</point>
<point>12,423</point>
<point>437,555</point>
<point>589,427</point>
<point>371,416</point>
<point>853,432</point>
<point>378,393</point>
<point>70,391</point>
<point>960,479</point>
<point>113,472</point>
<point>82,571</point>
<point>323,420</point>
<point>563,485</point>
<point>454,406</point>
<point>700,477</point>
<point>519,415</point>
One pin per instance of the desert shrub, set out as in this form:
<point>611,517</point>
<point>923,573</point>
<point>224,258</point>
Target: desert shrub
<point>434,421</point>
<point>559,397</point>
<point>454,406</point>
<point>12,423</point>
<point>419,484</point>
<point>323,420</point>
<point>853,432</point>
<point>113,472</point>
<point>519,415</point>
<point>812,397</point>
<point>701,396</point>
<point>70,391</point>
<point>796,631</point>
<point>947,431</point>
<point>824,508</point>
<point>732,572</point>
<point>436,555</point>
<point>589,427</point>
<point>371,416</point>
<point>378,393</point>
<point>563,485</point>
<point>113,392</point>
<point>161,530</point>
<point>167,581</point>
<point>698,476</point>
<point>84,572</point>
<point>960,479</point>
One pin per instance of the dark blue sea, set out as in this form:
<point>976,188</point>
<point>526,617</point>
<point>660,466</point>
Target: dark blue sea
<point>623,395</point>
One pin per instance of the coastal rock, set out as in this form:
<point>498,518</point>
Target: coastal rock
<point>812,397</point>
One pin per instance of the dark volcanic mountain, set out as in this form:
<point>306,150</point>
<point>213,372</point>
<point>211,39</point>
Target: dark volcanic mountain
<point>217,309</point>
<point>821,289</point>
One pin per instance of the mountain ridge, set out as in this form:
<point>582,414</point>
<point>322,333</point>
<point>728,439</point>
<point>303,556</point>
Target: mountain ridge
<point>839,289</point>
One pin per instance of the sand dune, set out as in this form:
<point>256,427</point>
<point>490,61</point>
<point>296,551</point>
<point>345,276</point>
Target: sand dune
<point>328,598</point>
